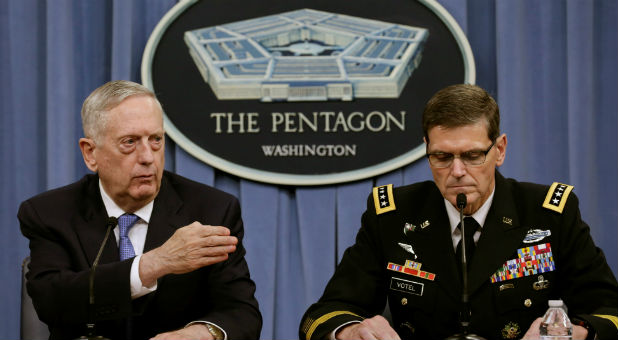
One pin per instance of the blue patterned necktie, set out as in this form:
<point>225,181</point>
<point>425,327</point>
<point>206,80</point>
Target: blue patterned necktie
<point>125,222</point>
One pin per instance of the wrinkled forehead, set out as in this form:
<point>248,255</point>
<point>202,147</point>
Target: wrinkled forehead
<point>141,97</point>
<point>135,112</point>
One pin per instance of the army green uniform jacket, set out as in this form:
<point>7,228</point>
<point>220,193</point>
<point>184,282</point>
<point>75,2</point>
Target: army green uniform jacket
<point>533,247</point>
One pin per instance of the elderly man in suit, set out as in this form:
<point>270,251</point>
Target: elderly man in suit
<point>176,267</point>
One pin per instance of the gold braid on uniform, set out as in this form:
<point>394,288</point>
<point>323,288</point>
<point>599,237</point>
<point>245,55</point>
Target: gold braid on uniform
<point>612,318</point>
<point>309,326</point>
<point>557,196</point>
<point>383,199</point>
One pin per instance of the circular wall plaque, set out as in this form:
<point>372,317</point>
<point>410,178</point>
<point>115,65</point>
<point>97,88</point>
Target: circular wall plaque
<point>303,92</point>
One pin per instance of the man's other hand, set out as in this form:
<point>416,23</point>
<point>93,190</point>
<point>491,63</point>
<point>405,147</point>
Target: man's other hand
<point>191,247</point>
<point>369,329</point>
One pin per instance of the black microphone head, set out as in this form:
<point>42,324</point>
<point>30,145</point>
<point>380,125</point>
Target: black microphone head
<point>461,200</point>
<point>112,221</point>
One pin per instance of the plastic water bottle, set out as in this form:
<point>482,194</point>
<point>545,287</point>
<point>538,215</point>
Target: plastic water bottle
<point>556,323</point>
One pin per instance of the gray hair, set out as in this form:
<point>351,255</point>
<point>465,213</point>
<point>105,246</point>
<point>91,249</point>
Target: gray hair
<point>103,99</point>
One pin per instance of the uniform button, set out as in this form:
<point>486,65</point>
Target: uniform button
<point>528,303</point>
<point>404,301</point>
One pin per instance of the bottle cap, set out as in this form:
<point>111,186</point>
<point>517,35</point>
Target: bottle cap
<point>555,303</point>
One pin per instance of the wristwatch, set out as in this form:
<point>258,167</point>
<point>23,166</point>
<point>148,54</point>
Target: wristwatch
<point>215,332</point>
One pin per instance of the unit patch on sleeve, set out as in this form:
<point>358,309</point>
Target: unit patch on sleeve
<point>530,261</point>
<point>557,196</point>
<point>383,199</point>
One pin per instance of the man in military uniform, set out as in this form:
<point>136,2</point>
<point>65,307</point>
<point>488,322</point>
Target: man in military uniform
<point>527,245</point>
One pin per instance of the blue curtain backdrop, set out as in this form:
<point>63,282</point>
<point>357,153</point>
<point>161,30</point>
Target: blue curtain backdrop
<point>552,66</point>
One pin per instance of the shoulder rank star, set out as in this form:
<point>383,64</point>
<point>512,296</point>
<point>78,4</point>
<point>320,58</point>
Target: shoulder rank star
<point>383,199</point>
<point>557,196</point>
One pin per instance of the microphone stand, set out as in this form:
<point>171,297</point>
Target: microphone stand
<point>464,317</point>
<point>90,326</point>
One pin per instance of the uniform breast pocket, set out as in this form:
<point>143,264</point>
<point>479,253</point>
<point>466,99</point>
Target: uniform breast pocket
<point>412,303</point>
<point>411,293</point>
<point>527,295</point>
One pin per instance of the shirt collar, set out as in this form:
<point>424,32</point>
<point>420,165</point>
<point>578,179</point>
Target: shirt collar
<point>480,215</point>
<point>113,209</point>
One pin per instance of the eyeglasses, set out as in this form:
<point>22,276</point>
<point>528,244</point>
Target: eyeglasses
<point>469,158</point>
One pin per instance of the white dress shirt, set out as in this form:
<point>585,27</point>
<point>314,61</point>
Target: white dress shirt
<point>480,216</point>
<point>137,235</point>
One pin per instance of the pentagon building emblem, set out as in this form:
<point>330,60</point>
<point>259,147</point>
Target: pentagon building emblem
<point>306,55</point>
<point>303,92</point>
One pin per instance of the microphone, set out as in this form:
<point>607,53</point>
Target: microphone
<point>464,317</point>
<point>90,326</point>
<point>462,201</point>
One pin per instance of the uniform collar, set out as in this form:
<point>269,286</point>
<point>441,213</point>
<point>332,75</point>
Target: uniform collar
<point>480,215</point>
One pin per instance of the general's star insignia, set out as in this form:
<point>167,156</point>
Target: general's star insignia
<point>557,196</point>
<point>383,199</point>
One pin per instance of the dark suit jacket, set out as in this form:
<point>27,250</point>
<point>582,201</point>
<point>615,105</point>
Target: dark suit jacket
<point>66,226</point>
<point>426,308</point>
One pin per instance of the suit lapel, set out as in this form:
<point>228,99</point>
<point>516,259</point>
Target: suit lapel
<point>501,235</point>
<point>90,221</point>
<point>165,218</point>
<point>90,224</point>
